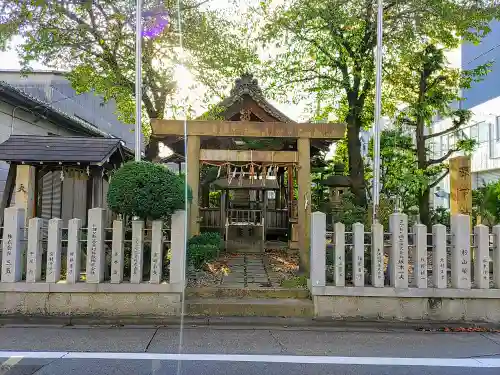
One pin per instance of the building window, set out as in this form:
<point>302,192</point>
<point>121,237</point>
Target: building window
<point>483,132</point>
<point>474,132</point>
<point>497,128</point>
<point>444,144</point>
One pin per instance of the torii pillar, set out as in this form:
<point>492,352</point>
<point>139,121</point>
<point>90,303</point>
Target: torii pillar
<point>193,180</point>
<point>304,200</point>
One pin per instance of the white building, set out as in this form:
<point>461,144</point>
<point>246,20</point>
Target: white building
<point>483,100</point>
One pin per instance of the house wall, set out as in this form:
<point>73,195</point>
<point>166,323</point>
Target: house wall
<point>54,88</point>
<point>15,120</point>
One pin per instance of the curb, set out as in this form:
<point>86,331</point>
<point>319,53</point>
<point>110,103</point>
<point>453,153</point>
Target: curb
<point>253,323</point>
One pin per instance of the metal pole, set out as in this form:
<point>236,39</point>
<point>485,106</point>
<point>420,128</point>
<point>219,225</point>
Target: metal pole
<point>376,125</point>
<point>138,80</point>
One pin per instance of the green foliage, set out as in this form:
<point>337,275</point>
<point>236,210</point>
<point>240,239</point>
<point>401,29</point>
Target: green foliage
<point>349,212</point>
<point>215,112</point>
<point>203,248</point>
<point>147,190</point>
<point>94,41</point>
<point>486,203</point>
<point>214,198</point>
<point>429,86</point>
<point>440,215</point>
<point>398,167</point>
<point>327,49</point>
<point>295,282</point>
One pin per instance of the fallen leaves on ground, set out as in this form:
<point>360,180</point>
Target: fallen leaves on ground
<point>459,329</point>
<point>282,261</point>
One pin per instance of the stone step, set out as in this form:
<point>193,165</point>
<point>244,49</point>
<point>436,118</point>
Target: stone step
<point>287,308</point>
<point>240,292</point>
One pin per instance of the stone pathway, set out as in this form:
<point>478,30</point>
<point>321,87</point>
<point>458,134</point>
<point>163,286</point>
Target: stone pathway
<point>249,270</point>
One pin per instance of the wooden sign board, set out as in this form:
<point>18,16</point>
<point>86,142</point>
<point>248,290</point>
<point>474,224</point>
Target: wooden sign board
<point>460,185</point>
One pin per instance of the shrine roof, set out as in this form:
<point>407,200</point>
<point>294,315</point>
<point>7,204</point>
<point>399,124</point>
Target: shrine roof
<point>248,85</point>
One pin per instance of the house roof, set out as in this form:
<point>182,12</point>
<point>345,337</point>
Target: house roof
<point>53,149</point>
<point>248,85</point>
<point>45,109</point>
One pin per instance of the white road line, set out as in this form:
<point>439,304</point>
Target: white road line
<point>372,361</point>
<point>8,364</point>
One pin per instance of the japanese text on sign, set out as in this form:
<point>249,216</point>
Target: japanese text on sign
<point>8,263</point>
<point>401,269</point>
<point>340,266</point>
<point>93,251</point>
<point>423,268</point>
<point>136,256</point>
<point>464,254</point>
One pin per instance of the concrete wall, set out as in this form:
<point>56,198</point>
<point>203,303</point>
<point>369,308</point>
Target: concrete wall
<point>408,308</point>
<point>107,304</point>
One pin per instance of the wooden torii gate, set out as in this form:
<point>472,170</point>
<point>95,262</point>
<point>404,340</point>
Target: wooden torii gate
<point>303,133</point>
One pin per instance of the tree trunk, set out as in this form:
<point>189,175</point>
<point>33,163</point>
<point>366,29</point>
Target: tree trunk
<point>356,166</point>
<point>423,199</point>
<point>423,208</point>
<point>152,149</point>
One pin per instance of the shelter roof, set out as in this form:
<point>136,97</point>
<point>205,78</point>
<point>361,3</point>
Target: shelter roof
<point>54,149</point>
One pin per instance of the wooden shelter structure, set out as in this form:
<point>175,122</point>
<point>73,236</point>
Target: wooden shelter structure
<point>53,176</point>
<point>259,153</point>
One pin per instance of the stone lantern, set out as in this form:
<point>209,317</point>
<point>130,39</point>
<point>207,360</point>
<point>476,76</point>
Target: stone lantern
<point>338,184</point>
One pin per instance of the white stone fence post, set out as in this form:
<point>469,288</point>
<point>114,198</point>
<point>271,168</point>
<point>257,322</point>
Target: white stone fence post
<point>14,244</point>
<point>415,254</point>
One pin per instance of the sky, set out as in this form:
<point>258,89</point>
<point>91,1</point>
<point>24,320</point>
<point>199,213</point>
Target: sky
<point>9,60</point>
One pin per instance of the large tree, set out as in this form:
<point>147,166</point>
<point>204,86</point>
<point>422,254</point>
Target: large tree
<point>327,47</point>
<point>95,41</point>
<point>399,177</point>
<point>431,88</point>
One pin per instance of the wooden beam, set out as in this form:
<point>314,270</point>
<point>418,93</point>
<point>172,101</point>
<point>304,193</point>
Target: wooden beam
<point>25,190</point>
<point>251,129</point>
<point>193,180</point>
<point>304,201</point>
<point>247,155</point>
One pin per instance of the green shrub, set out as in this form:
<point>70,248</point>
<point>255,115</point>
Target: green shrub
<point>206,238</point>
<point>440,215</point>
<point>147,190</point>
<point>203,248</point>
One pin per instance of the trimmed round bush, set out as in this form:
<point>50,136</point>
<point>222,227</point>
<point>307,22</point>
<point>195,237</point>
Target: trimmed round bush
<point>147,190</point>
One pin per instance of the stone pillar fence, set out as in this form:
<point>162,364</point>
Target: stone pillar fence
<point>402,261</point>
<point>75,258</point>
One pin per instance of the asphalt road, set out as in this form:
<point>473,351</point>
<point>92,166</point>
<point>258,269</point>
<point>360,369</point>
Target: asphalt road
<point>238,350</point>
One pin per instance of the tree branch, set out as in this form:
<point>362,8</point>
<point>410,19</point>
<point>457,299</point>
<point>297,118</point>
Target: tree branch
<point>435,183</point>
<point>442,158</point>
<point>456,126</point>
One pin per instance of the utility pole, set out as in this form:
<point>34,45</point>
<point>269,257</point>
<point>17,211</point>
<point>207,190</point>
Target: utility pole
<point>377,120</point>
